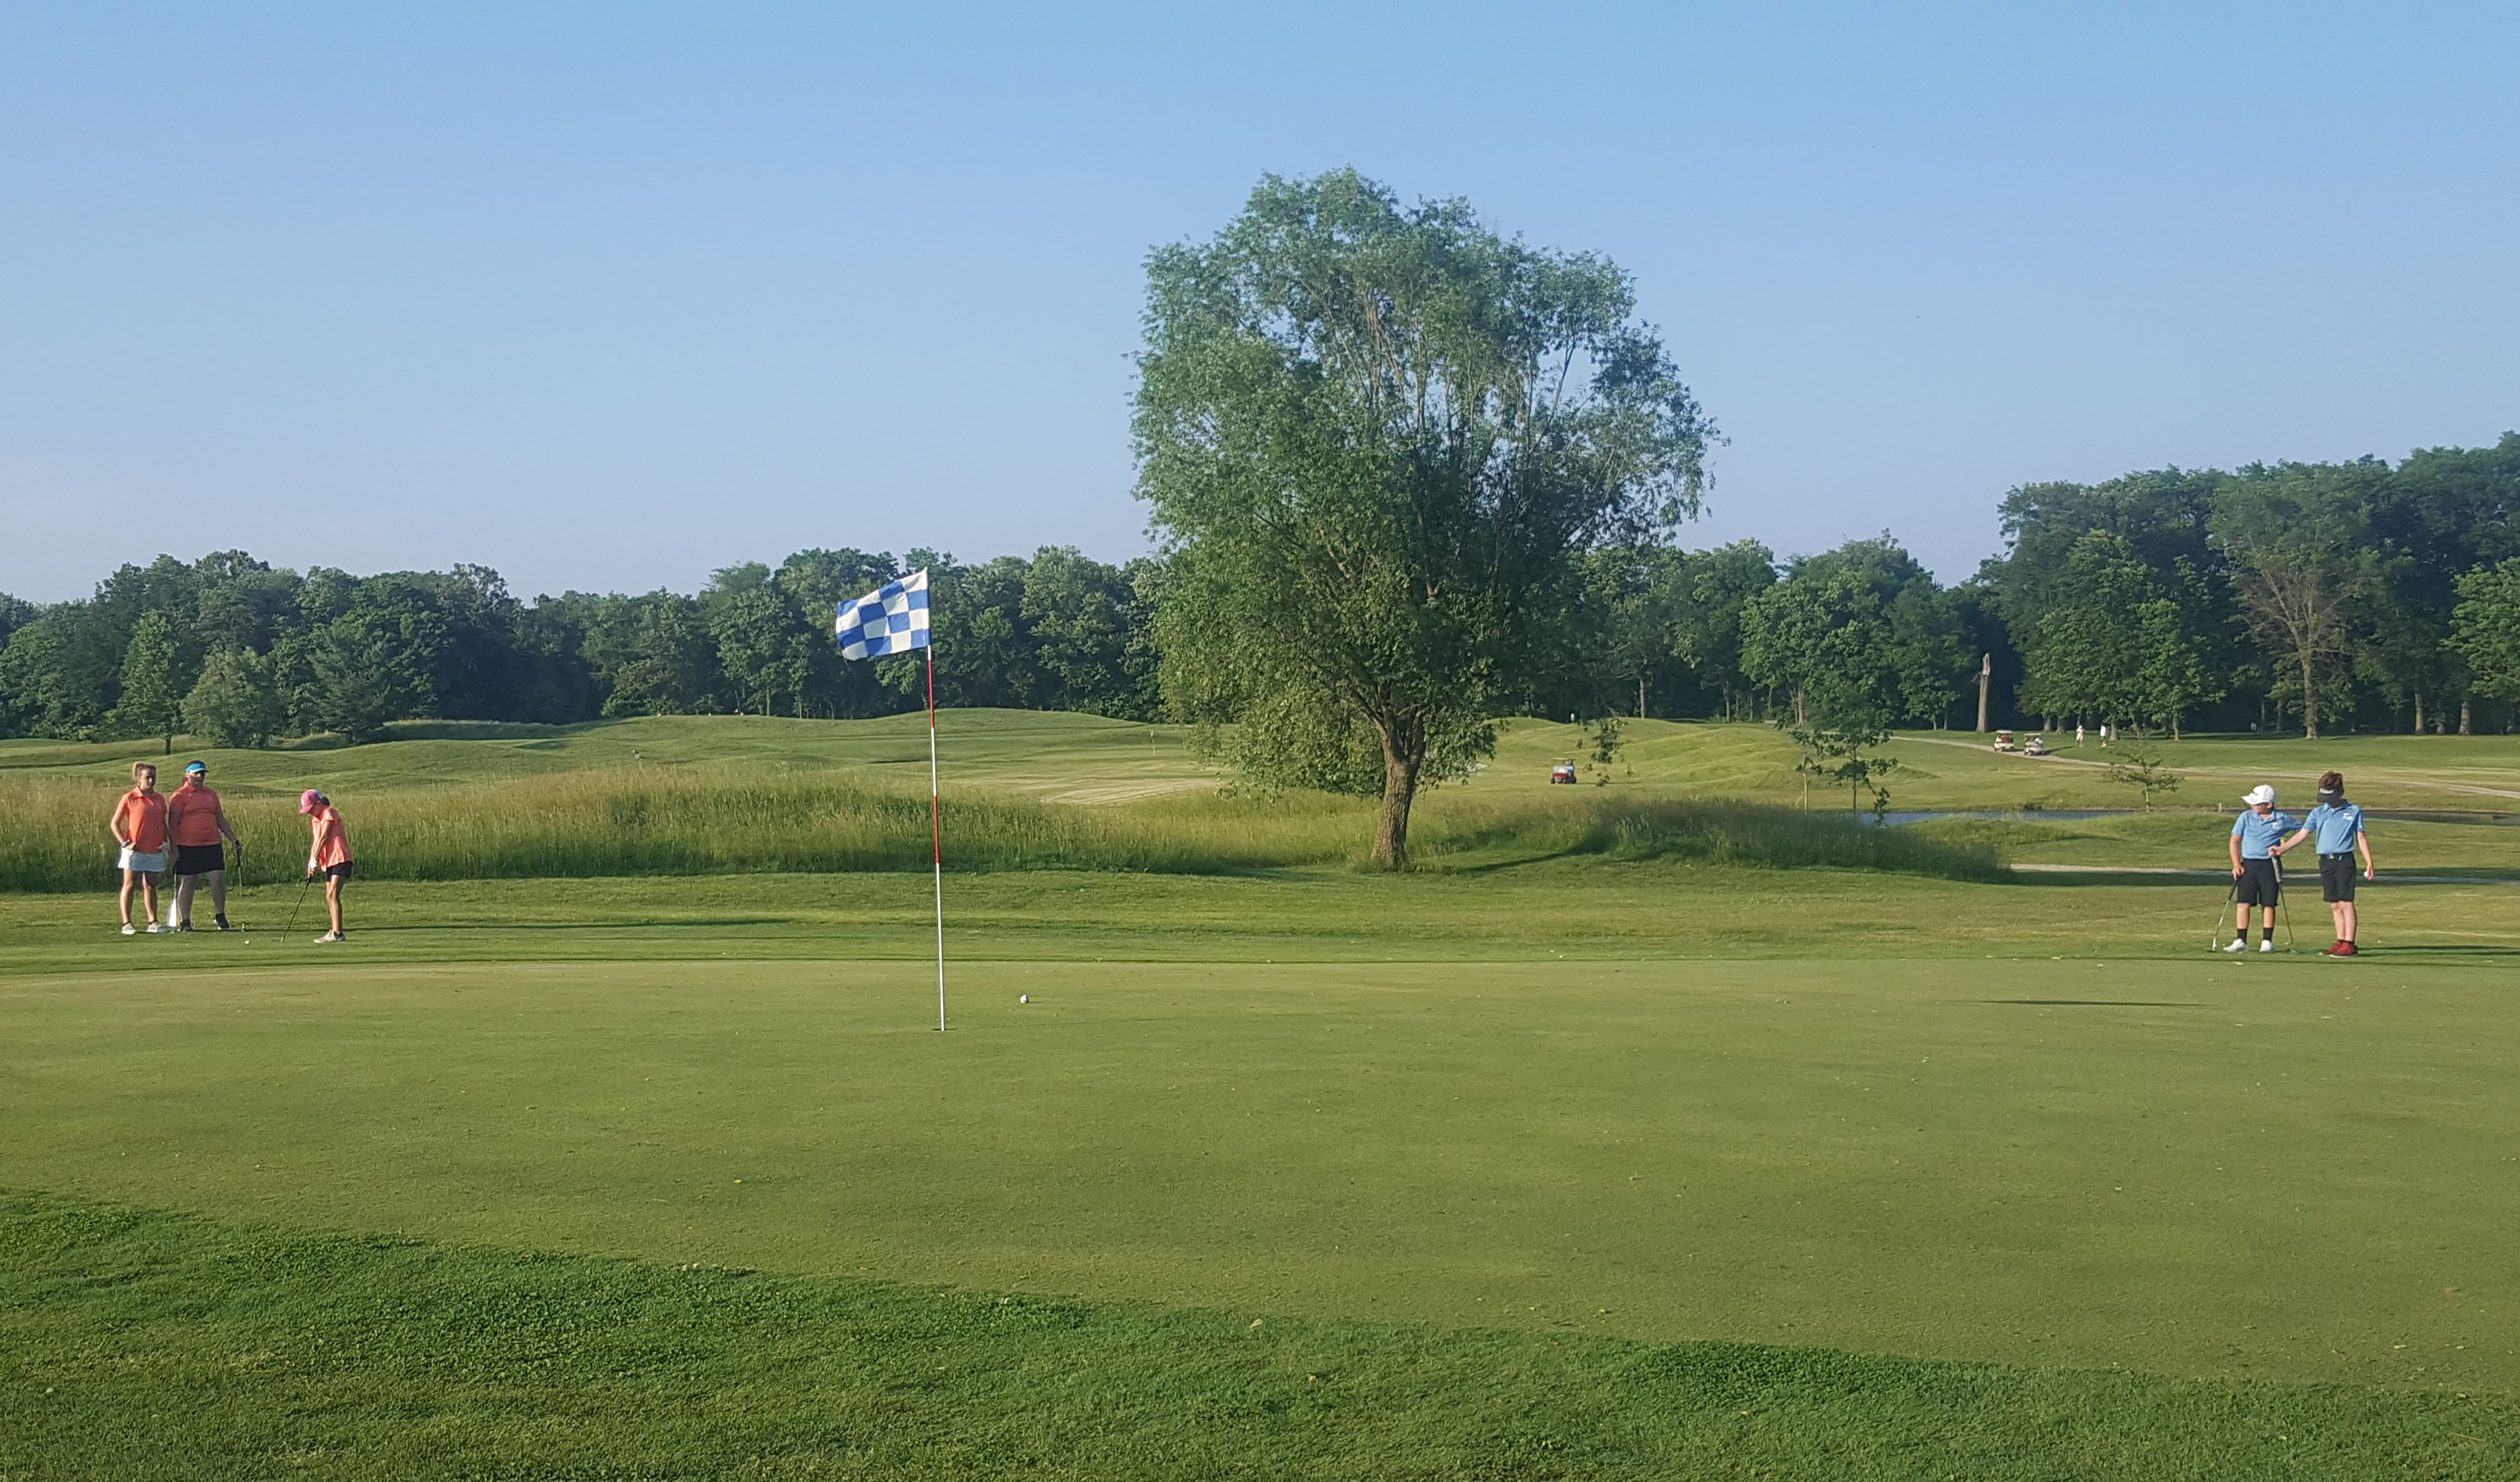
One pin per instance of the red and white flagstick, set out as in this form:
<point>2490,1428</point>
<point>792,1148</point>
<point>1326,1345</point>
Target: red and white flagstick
<point>937,824</point>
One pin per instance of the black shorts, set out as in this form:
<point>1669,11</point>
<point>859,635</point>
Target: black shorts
<point>339,871</point>
<point>2337,876</point>
<point>200,858</point>
<point>2259,884</point>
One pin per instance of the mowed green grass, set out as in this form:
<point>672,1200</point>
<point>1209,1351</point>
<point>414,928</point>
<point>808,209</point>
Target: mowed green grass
<point>1475,1152</point>
<point>1519,1166</point>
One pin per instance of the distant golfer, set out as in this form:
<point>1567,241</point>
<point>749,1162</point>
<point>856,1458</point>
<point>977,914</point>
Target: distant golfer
<point>200,824</point>
<point>328,854</point>
<point>2255,882</point>
<point>2335,827</point>
<point>140,839</point>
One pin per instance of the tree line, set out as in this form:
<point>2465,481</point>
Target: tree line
<point>2277,598</point>
<point>2286,596</point>
<point>235,651</point>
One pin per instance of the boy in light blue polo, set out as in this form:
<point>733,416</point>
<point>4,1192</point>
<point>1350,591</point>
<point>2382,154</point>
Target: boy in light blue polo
<point>2255,881</point>
<point>2335,830</point>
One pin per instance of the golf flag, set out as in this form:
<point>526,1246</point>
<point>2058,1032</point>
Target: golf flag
<point>894,620</point>
<point>890,619</point>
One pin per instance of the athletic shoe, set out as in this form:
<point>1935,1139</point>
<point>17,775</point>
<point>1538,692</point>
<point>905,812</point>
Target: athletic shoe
<point>2344,949</point>
<point>2238,944</point>
<point>332,936</point>
<point>154,928</point>
<point>184,926</point>
<point>224,923</point>
<point>2265,944</point>
<point>129,929</point>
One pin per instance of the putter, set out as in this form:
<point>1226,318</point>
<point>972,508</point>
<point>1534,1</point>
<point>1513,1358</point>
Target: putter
<point>294,910</point>
<point>2222,913</point>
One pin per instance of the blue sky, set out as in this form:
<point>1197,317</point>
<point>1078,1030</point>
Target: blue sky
<point>608,296</point>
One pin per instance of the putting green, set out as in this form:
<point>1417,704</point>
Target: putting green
<point>2288,1170</point>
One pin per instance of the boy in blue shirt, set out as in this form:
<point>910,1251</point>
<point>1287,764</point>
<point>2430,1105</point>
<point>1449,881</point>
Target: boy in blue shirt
<point>2335,830</point>
<point>2254,877</point>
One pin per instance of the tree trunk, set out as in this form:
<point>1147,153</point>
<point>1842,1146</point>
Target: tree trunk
<point>2309,704</point>
<point>1641,696</point>
<point>1404,752</point>
<point>2419,712</point>
<point>2464,718</point>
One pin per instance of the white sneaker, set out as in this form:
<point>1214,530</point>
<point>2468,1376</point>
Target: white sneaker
<point>129,929</point>
<point>332,936</point>
<point>2238,944</point>
<point>2266,944</point>
<point>154,929</point>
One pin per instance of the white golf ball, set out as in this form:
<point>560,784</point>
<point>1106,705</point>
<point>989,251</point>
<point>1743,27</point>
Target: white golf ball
<point>1024,998</point>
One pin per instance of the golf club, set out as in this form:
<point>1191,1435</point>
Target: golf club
<point>2283,899</point>
<point>294,910</point>
<point>2223,912</point>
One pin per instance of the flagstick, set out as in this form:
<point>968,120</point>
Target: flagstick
<point>936,826</point>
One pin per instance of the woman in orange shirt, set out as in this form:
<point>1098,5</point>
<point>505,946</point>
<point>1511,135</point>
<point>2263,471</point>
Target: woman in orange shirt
<point>140,836</point>
<point>328,854</point>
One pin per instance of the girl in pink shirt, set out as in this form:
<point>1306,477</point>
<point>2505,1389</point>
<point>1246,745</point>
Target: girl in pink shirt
<point>328,854</point>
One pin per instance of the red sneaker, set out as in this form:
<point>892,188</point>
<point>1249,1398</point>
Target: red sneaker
<point>2339,949</point>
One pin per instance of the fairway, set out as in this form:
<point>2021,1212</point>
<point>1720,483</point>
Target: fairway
<point>1548,1164</point>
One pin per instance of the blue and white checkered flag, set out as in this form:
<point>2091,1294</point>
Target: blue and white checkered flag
<point>890,619</point>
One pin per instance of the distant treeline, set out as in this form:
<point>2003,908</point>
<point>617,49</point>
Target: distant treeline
<point>2358,596</point>
<point>236,652</point>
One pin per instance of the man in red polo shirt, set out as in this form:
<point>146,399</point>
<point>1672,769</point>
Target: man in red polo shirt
<point>198,825</point>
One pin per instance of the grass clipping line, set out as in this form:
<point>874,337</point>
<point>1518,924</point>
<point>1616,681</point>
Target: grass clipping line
<point>144,1343</point>
<point>736,820</point>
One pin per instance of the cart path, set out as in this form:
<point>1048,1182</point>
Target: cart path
<point>2052,759</point>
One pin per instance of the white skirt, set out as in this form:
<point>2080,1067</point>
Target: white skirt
<point>145,864</point>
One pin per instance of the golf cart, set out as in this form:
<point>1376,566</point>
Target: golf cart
<point>1563,771</point>
<point>2037,746</point>
<point>2004,741</point>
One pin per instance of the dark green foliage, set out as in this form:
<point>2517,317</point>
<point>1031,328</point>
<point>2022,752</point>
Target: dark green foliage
<point>151,704</point>
<point>2302,564</point>
<point>2173,599</point>
<point>2118,639</point>
<point>347,654</point>
<point>2321,592</point>
<point>142,1344</point>
<point>2486,628</point>
<point>234,703</point>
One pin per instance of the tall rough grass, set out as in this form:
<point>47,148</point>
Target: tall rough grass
<point>699,820</point>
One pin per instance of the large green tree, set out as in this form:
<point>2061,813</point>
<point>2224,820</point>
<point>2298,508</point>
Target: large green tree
<point>151,704</point>
<point>2115,641</point>
<point>234,703</point>
<point>1374,439</point>
<point>1822,635</point>
<point>1714,587</point>
<point>2486,627</point>
<point>2298,539</point>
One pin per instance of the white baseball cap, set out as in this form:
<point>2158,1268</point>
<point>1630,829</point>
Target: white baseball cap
<point>2261,793</point>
